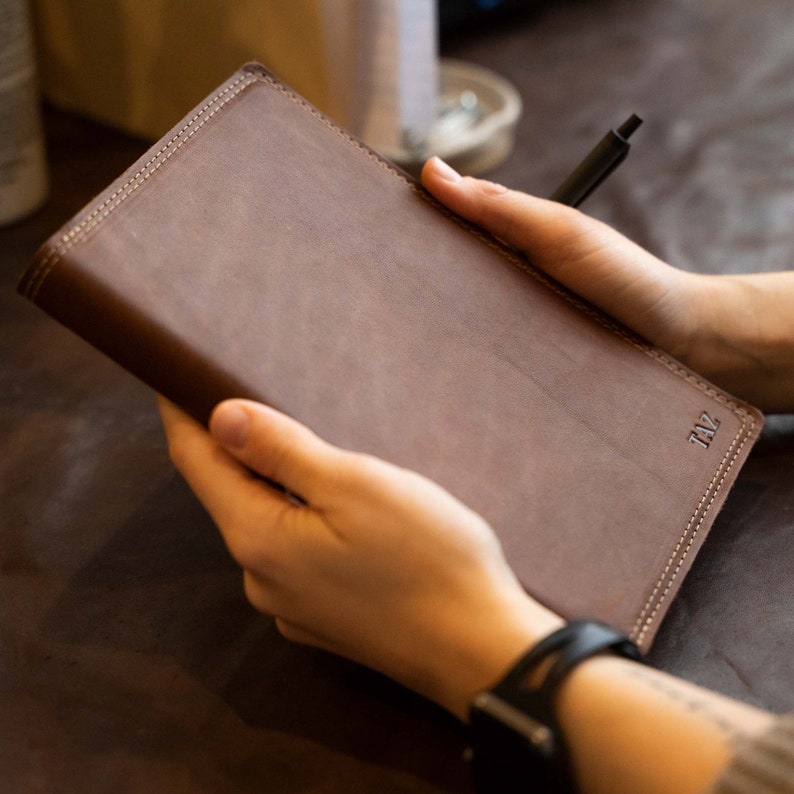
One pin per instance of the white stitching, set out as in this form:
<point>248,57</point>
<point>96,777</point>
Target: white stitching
<point>80,230</point>
<point>646,623</point>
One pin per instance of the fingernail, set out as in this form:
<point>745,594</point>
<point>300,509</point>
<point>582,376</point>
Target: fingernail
<point>230,425</point>
<point>445,171</point>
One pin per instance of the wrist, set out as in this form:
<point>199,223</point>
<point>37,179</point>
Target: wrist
<point>516,731</point>
<point>744,340</point>
<point>489,650</point>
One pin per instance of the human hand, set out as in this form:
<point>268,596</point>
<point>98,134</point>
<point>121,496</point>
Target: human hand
<point>379,565</point>
<point>737,331</point>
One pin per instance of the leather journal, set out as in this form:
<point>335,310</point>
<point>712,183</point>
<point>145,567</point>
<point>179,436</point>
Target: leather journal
<point>260,251</point>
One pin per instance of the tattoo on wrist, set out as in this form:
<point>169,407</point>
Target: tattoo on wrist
<point>690,702</point>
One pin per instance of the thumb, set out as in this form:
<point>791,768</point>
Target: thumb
<point>275,446</point>
<point>556,238</point>
<point>535,226</point>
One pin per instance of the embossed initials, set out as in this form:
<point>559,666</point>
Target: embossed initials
<point>704,431</point>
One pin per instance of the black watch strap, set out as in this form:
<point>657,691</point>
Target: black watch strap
<point>517,742</point>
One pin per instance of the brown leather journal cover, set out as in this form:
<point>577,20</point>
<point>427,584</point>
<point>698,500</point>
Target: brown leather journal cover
<point>260,251</point>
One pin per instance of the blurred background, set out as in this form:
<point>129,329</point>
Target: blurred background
<point>372,66</point>
<point>472,80</point>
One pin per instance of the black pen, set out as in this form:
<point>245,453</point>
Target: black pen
<point>604,158</point>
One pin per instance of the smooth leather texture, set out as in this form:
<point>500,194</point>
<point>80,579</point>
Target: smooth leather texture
<point>259,251</point>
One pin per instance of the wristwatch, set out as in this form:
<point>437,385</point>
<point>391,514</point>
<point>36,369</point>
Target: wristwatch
<point>517,744</point>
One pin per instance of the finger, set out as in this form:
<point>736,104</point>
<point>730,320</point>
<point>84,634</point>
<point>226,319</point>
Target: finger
<point>188,441</point>
<point>269,598</point>
<point>261,592</point>
<point>170,415</point>
<point>276,447</point>
<point>295,633</point>
<point>256,521</point>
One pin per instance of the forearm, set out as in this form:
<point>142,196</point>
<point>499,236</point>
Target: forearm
<point>747,340</point>
<point>633,728</point>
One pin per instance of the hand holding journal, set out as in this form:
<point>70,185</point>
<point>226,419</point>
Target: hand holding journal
<point>260,251</point>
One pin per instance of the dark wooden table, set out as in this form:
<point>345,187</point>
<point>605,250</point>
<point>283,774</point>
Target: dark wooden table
<point>129,660</point>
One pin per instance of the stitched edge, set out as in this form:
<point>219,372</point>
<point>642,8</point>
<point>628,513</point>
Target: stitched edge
<point>78,232</point>
<point>643,624</point>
